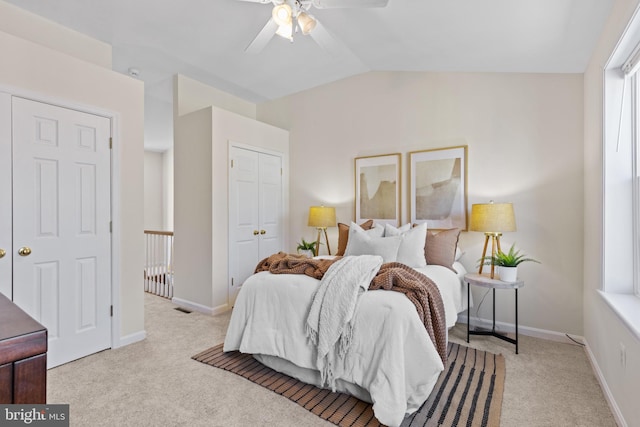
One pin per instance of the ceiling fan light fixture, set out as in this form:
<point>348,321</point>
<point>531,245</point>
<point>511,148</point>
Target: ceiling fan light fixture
<point>307,22</point>
<point>282,14</point>
<point>285,31</point>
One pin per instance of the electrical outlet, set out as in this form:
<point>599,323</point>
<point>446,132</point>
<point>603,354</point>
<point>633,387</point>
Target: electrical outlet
<point>623,356</point>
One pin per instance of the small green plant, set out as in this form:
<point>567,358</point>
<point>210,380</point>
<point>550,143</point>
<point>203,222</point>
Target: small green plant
<point>509,259</point>
<point>307,246</point>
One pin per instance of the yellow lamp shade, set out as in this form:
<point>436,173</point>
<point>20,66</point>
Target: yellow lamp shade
<point>322,217</point>
<point>493,217</point>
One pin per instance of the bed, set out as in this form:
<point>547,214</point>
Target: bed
<point>392,361</point>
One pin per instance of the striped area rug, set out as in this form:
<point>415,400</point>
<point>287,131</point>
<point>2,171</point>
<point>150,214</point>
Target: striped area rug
<point>468,392</point>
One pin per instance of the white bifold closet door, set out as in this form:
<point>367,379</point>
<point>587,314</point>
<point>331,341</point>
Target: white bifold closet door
<point>61,245</point>
<point>255,212</point>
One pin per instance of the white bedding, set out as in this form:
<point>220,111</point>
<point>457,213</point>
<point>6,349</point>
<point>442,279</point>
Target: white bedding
<point>391,356</point>
<point>452,288</point>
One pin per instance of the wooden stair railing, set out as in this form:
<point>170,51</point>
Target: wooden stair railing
<point>158,267</point>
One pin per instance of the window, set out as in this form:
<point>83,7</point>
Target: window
<point>635,173</point>
<point>621,182</point>
<point>621,172</point>
<point>631,72</point>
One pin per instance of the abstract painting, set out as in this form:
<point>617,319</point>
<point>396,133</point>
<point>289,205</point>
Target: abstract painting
<point>438,187</point>
<point>377,180</point>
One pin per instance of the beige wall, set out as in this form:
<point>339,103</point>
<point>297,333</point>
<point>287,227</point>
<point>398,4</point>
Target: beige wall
<point>153,190</point>
<point>603,330</point>
<point>201,154</point>
<point>167,185</point>
<point>41,71</point>
<point>191,95</point>
<point>158,190</point>
<point>524,133</point>
<point>192,210</point>
<point>20,23</point>
<point>205,120</point>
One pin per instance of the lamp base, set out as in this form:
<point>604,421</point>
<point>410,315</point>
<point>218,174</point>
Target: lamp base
<point>326,239</point>
<point>495,242</point>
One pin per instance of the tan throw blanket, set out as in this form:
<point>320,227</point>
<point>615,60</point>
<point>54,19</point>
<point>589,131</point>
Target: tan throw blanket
<point>283,263</point>
<point>393,276</point>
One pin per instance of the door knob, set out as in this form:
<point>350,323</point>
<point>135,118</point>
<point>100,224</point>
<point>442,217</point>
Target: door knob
<point>256,232</point>
<point>2,253</point>
<point>262,231</point>
<point>24,251</point>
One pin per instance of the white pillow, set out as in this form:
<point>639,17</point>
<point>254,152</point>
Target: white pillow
<point>411,251</point>
<point>376,231</point>
<point>362,243</point>
<point>390,230</point>
<point>458,254</point>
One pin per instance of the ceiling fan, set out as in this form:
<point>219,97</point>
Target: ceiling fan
<point>290,16</point>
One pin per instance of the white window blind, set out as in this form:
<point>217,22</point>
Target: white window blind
<point>629,68</point>
<point>632,64</point>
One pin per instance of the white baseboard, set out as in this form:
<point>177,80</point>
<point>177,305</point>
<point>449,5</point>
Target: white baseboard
<point>193,306</point>
<point>523,330</point>
<point>220,309</point>
<point>617,414</point>
<point>559,337</point>
<point>131,338</point>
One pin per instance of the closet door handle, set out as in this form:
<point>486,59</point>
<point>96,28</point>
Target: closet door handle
<point>2,253</point>
<point>262,231</point>
<point>24,251</point>
<point>256,232</point>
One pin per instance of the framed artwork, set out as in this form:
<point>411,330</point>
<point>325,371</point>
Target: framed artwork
<point>378,188</point>
<point>438,187</point>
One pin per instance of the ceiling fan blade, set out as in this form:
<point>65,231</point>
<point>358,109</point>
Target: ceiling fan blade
<point>344,4</point>
<point>263,37</point>
<point>328,42</point>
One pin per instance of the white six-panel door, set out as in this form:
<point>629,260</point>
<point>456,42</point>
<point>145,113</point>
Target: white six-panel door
<point>255,212</point>
<point>6,251</point>
<point>244,217</point>
<point>61,231</point>
<point>270,198</point>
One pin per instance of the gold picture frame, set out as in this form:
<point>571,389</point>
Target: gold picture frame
<point>438,187</point>
<point>378,188</point>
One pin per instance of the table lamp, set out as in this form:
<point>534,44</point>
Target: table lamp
<point>493,219</point>
<point>322,217</point>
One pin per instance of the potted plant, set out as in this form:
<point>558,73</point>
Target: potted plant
<point>306,248</point>
<point>507,263</point>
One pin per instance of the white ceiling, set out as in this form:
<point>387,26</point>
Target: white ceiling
<point>205,40</point>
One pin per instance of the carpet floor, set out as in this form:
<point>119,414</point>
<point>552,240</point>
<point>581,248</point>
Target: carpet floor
<point>155,382</point>
<point>468,391</point>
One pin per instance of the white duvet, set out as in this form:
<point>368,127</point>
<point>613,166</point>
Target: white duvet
<point>391,360</point>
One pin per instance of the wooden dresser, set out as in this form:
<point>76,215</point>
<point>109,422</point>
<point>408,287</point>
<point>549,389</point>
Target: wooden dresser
<point>23,356</point>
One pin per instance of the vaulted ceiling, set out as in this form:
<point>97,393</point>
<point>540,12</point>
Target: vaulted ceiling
<point>205,40</point>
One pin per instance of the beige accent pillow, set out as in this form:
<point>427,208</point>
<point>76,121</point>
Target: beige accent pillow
<point>440,248</point>
<point>343,234</point>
